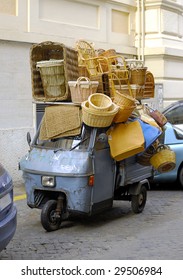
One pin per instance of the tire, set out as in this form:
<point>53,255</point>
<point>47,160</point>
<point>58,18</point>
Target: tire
<point>139,201</point>
<point>180,177</point>
<point>48,221</point>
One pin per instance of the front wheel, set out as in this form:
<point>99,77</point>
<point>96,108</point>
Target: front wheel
<point>138,201</point>
<point>50,220</point>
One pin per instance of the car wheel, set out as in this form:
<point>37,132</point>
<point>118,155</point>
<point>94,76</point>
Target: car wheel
<point>138,201</point>
<point>49,218</point>
<point>180,177</point>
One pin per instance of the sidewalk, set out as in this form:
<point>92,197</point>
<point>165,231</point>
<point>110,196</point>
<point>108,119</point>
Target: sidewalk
<point>19,189</point>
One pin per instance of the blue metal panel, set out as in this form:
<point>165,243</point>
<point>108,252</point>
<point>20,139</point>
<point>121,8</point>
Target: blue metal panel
<point>42,161</point>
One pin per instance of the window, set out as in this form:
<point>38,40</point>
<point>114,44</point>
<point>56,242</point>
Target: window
<point>175,116</point>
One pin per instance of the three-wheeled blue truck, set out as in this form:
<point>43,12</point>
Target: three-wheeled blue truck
<point>77,174</point>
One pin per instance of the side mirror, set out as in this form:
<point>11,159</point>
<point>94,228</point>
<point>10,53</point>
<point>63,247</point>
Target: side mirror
<point>28,138</point>
<point>103,138</point>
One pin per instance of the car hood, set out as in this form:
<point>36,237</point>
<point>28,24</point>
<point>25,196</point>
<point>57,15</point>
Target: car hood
<point>44,161</point>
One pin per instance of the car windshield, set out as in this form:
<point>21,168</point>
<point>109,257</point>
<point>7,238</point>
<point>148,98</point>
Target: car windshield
<point>175,116</point>
<point>178,133</point>
<point>172,134</point>
<point>80,141</point>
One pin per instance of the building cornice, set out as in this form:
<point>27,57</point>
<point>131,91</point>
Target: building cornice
<point>164,4</point>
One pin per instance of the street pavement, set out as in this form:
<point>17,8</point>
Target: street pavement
<point>117,234</point>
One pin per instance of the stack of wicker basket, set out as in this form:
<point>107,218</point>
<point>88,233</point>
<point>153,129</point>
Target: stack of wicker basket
<point>52,66</point>
<point>99,110</point>
<point>126,104</point>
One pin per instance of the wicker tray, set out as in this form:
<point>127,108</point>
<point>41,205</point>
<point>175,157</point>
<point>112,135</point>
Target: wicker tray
<point>47,51</point>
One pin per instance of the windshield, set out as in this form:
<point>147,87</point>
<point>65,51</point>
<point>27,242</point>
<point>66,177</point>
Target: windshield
<point>171,135</point>
<point>178,133</point>
<point>175,116</point>
<point>80,141</point>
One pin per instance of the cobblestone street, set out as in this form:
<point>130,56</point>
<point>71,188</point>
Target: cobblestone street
<point>118,233</point>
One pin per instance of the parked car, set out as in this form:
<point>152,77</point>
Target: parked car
<point>174,113</point>
<point>173,137</point>
<point>8,211</point>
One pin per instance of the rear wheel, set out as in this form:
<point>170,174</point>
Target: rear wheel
<point>50,219</point>
<point>138,201</point>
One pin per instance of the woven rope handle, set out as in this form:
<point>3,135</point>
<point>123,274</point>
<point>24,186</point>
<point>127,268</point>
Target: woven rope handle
<point>83,79</point>
<point>162,147</point>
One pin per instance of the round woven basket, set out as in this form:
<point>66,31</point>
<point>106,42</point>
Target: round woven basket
<point>99,102</point>
<point>123,114</point>
<point>100,118</point>
<point>164,159</point>
<point>123,100</point>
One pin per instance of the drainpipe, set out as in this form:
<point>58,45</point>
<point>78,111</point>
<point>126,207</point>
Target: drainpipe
<point>138,29</point>
<point>142,29</point>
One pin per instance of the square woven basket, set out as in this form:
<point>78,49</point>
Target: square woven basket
<point>52,76</point>
<point>46,51</point>
<point>82,89</point>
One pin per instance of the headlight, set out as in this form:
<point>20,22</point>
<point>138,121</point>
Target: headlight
<point>48,181</point>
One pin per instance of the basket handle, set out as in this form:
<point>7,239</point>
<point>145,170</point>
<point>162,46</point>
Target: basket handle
<point>116,77</point>
<point>83,79</point>
<point>162,147</point>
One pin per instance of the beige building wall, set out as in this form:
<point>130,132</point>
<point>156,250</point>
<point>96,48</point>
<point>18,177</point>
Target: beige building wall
<point>150,29</point>
<point>163,45</point>
<point>109,24</point>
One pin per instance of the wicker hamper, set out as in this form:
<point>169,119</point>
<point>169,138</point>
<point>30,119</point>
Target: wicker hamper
<point>52,76</point>
<point>53,51</point>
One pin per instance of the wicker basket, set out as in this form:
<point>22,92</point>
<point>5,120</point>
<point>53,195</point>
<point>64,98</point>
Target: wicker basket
<point>116,83</point>
<point>144,158</point>
<point>120,74</point>
<point>138,76</point>
<point>135,90</point>
<point>111,55</point>
<point>82,89</point>
<point>47,51</point>
<point>100,118</point>
<point>164,159</point>
<point>123,100</point>
<point>99,102</point>
<point>52,76</point>
<point>149,86</point>
<point>123,114</point>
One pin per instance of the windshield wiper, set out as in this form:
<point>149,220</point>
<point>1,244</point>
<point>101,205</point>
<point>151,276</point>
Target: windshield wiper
<point>82,141</point>
<point>59,149</point>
